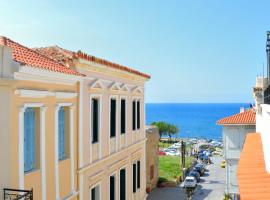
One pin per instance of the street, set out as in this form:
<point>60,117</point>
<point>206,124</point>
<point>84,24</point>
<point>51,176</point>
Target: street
<point>211,186</point>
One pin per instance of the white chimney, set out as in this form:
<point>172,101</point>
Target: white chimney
<point>242,109</point>
<point>7,65</point>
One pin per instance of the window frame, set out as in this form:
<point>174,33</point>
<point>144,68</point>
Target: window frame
<point>113,97</point>
<point>99,98</point>
<point>123,168</point>
<point>126,114</point>
<point>94,186</point>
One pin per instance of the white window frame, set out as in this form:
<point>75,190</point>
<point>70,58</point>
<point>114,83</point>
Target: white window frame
<point>100,193</point>
<point>99,97</point>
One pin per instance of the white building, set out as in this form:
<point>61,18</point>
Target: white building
<point>235,129</point>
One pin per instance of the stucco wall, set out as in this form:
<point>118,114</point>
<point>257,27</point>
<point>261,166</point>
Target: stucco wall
<point>152,135</point>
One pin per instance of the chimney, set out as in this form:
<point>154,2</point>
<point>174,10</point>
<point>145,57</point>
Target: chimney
<point>268,55</point>
<point>242,109</point>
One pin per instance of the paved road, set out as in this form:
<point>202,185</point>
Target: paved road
<point>211,187</point>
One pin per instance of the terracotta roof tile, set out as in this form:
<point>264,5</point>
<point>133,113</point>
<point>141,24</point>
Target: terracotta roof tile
<point>253,179</point>
<point>246,117</point>
<point>32,58</point>
<point>66,57</point>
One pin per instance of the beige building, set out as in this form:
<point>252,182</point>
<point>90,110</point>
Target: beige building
<point>111,131</point>
<point>71,125</point>
<point>152,135</point>
<point>38,124</point>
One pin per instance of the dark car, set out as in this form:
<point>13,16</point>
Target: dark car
<point>199,168</point>
<point>195,174</point>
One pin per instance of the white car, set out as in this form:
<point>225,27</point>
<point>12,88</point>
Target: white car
<point>190,182</point>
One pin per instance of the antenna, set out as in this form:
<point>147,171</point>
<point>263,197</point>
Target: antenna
<point>263,69</point>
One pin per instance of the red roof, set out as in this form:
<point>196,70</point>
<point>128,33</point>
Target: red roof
<point>253,179</point>
<point>66,57</point>
<point>245,118</point>
<point>27,56</point>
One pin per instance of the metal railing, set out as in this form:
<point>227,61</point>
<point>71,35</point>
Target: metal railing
<point>13,194</point>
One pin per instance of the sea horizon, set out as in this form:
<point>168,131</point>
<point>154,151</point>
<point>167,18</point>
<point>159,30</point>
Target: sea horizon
<point>195,120</point>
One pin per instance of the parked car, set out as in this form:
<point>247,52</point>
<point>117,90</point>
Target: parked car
<point>223,163</point>
<point>161,153</point>
<point>190,182</point>
<point>199,168</point>
<point>195,174</point>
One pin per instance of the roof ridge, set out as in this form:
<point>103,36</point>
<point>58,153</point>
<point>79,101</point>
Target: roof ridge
<point>6,40</point>
<point>32,50</point>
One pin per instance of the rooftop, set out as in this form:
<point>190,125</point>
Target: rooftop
<point>253,179</point>
<point>27,56</point>
<point>247,117</point>
<point>66,57</point>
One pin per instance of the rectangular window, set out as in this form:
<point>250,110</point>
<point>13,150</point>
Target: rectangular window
<point>138,174</point>
<point>30,139</point>
<point>134,115</point>
<point>152,172</point>
<point>113,118</point>
<point>62,133</point>
<point>95,193</point>
<point>95,120</point>
<point>112,187</point>
<point>123,116</point>
<point>134,177</point>
<point>138,115</point>
<point>123,184</point>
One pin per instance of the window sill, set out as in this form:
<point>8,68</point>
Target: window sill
<point>64,159</point>
<point>31,172</point>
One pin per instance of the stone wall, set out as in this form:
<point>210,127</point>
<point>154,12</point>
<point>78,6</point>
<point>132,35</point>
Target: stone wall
<point>152,135</point>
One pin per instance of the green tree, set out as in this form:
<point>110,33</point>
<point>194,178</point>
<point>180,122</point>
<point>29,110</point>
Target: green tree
<point>171,130</point>
<point>166,128</point>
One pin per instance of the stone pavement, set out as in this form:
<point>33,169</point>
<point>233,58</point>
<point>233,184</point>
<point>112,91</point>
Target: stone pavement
<point>211,187</point>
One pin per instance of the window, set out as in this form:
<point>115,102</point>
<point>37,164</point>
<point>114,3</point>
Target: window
<point>138,115</point>
<point>95,193</point>
<point>134,115</point>
<point>95,120</point>
<point>113,118</point>
<point>63,133</point>
<point>134,177</point>
<point>123,116</point>
<point>30,139</point>
<point>138,174</point>
<point>152,172</point>
<point>123,184</point>
<point>112,187</point>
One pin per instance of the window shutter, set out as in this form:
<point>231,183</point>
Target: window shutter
<point>29,139</point>
<point>61,133</point>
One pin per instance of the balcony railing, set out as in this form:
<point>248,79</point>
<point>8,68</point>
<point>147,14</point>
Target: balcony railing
<point>13,194</point>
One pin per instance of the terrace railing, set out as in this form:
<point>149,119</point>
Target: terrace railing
<point>13,194</point>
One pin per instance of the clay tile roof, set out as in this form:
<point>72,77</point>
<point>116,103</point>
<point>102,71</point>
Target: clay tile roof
<point>27,56</point>
<point>66,57</point>
<point>253,179</point>
<point>245,118</point>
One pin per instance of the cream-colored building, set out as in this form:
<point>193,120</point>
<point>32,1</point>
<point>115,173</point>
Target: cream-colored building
<point>38,124</point>
<point>85,119</point>
<point>112,127</point>
<point>152,157</point>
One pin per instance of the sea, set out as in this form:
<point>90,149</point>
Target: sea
<point>194,120</point>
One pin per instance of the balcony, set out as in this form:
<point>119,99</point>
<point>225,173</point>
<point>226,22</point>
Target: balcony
<point>13,194</point>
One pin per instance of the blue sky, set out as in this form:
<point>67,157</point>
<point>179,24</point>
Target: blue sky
<point>195,51</point>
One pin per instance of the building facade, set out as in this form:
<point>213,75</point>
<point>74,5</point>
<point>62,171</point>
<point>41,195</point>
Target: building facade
<point>235,129</point>
<point>112,135</point>
<point>72,125</point>
<point>38,123</point>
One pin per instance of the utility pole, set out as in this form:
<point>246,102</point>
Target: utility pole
<point>183,158</point>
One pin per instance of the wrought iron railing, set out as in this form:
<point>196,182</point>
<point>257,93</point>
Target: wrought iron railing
<point>13,194</point>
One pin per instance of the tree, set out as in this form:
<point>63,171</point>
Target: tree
<point>172,129</point>
<point>166,128</point>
